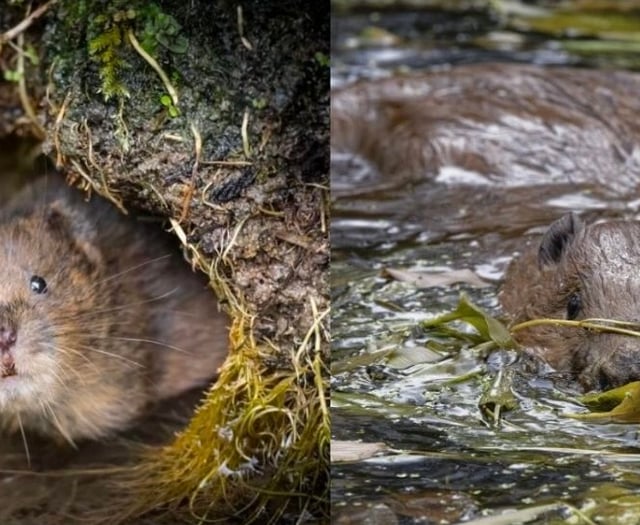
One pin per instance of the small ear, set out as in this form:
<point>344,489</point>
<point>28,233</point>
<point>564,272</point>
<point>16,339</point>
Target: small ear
<point>69,227</point>
<point>557,238</point>
<point>57,220</point>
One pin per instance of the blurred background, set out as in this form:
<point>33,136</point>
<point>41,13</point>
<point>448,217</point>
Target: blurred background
<point>374,38</point>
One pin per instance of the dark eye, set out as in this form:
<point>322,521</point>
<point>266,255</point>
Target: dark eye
<point>573,306</point>
<point>38,284</point>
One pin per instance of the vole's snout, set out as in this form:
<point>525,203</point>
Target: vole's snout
<point>8,338</point>
<point>616,367</point>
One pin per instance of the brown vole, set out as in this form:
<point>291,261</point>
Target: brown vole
<point>99,316</point>
<point>579,271</point>
<point>490,124</point>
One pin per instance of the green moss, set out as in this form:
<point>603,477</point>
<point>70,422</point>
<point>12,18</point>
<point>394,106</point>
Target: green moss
<point>109,46</point>
<point>106,50</point>
<point>322,59</point>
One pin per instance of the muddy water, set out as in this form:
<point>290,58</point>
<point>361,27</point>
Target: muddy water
<point>503,166</point>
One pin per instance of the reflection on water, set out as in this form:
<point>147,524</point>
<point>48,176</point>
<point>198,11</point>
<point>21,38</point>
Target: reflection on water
<point>497,167</point>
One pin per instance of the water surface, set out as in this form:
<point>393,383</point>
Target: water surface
<point>445,461</point>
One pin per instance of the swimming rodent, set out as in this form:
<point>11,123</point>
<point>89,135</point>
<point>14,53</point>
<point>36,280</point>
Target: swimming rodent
<point>482,148</point>
<point>99,316</point>
<point>580,271</point>
<point>489,124</point>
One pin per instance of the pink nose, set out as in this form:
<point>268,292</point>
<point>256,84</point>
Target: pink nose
<point>8,338</point>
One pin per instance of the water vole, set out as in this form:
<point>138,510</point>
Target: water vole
<point>99,316</point>
<point>579,271</point>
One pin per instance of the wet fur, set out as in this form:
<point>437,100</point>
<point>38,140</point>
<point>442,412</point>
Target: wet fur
<point>599,262</point>
<point>124,321</point>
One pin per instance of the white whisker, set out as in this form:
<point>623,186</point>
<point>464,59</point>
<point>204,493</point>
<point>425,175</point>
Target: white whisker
<point>24,440</point>
<point>116,356</point>
<point>90,313</point>
<point>132,268</point>
<point>59,426</point>
<point>150,341</point>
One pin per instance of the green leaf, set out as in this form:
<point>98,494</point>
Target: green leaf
<point>179,45</point>
<point>489,328</point>
<point>259,103</point>
<point>11,75</point>
<point>620,405</point>
<point>32,55</point>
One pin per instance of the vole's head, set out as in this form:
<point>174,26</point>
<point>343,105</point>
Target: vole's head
<point>589,272</point>
<point>50,275</point>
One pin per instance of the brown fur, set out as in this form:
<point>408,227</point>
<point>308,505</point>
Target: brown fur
<point>124,322</point>
<point>510,124</point>
<point>597,263</point>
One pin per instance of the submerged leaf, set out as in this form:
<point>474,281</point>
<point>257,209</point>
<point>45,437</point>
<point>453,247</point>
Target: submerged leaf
<point>429,279</point>
<point>342,451</point>
<point>524,515</point>
<point>499,397</point>
<point>398,358</point>
<point>356,361</point>
<point>604,25</point>
<point>405,357</point>
<point>621,404</point>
